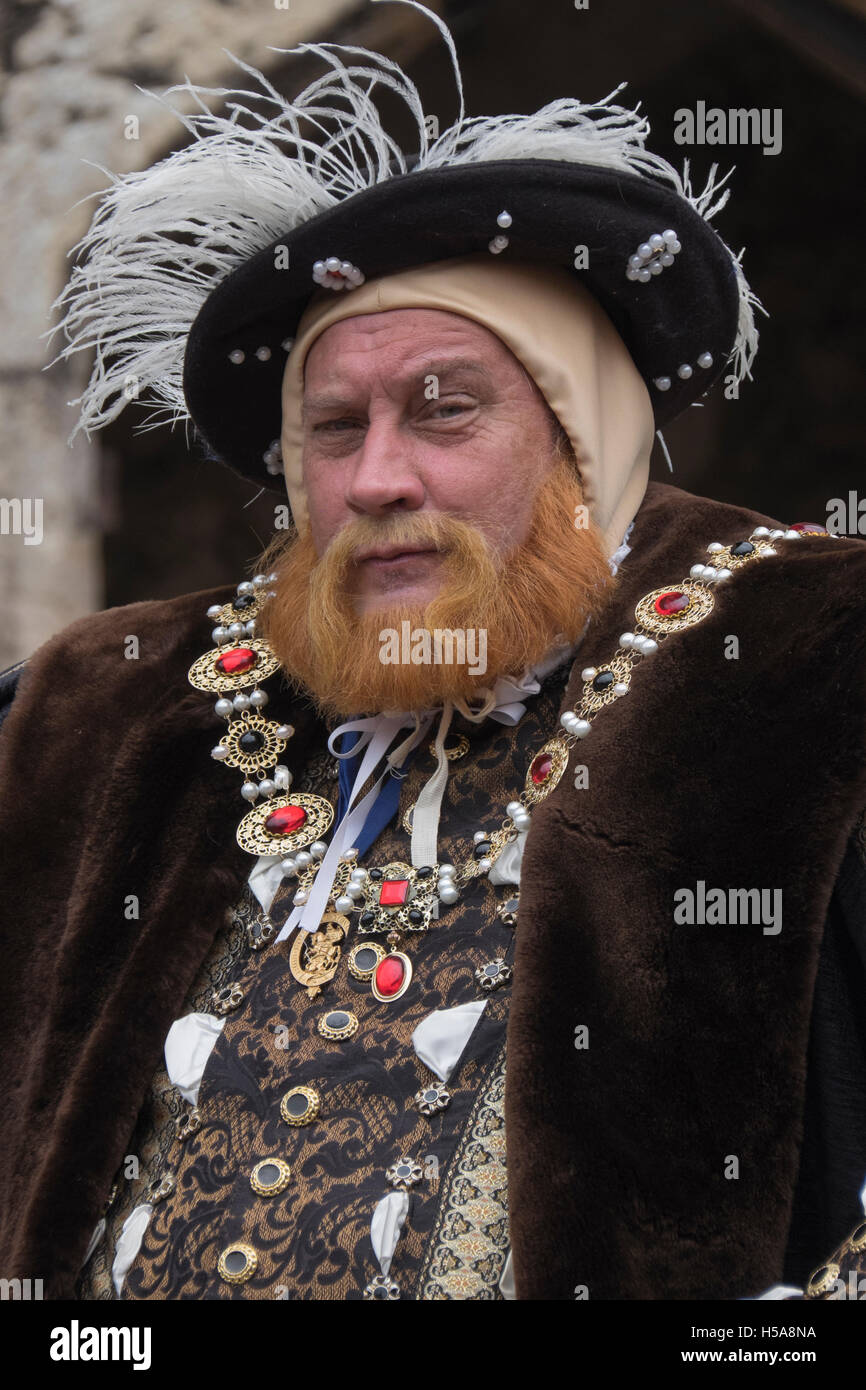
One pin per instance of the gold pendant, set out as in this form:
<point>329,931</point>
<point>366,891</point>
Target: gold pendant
<point>391,977</point>
<point>285,823</point>
<point>314,956</point>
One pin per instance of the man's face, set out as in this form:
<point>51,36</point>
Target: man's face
<point>419,410</point>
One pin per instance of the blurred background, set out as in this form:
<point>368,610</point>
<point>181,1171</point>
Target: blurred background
<point>131,516</point>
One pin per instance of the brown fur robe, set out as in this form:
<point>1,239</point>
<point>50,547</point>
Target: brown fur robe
<point>742,773</point>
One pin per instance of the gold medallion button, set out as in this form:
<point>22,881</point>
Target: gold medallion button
<point>300,1106</point>
<point>237,1263</point>
<point>271,1176</point>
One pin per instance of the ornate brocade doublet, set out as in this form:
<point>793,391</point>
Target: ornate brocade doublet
<point>312,1239</point>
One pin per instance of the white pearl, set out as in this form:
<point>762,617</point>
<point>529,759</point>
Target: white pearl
<point>631,273</point>
<point>792,535</point>
<point>649,645</point>
<point>776,534</point>
<point>656,241</point>
<point>705,360</point>
<point>214,610</point>
<point>300,897</point>
<point>258,698</point>
<point>448,893</point>
<point>479,836</point>
<point>634,262</point>
<point>761,531</point>
<point>355,891</point>
<point>675,246</point>
<point>521,822</point>
<point>581,727</point>
<point>663,383</point>
<point>303,858</point>
<point>273,577</point>
<point>588,672</point>
<point>236,629</point>
<point>769,550</point>
<point>714,546</point>
<point>250,627</point>
<point>245,587</point>
<point>267,786</point>
<point>644,250</point>
<point>285,730</point>
<point>485,864</point>
<point>656,268</point>
<point>282,777</point>
<point>358,876</point>
<point>249,791</point>
<point>263,354</point>
<point>696,571</point>
<point>666,258</point>
<point>223,708</point>
<point>259,581</point>
<point>241,702</point>
<point>237,356</point>
<point>219,752</point>
<point>318,849</point>
<point>332,264</point>
<point>620,688</point>
<point>349,854</point>
<point>289,868</point>
<point>447,871</point>
<point>344,904</point>
<point>644,275</point>
<point>669,235</point>
<point>567,719</point>
<point>722,575</point>
<point>684,371</point>
<point>219,635</point>
<point>504,219</point>
<point>514,808</point>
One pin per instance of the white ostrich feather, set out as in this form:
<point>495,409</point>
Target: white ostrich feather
<point>162,238</point>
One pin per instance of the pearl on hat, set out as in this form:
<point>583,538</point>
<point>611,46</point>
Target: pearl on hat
<point>504,219</point>
<point>663,383</point>
<point>705,359</point>
<point>334,274</point>
<point>263,354</point>
<point>653,256</point>
<point>498,244</point>
<point>684,371</point>
<point>237,355</point>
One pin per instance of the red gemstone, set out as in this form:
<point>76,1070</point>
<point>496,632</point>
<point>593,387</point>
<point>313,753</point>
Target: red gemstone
<point>238,659</point>
<point>285,820</point>
<point>674,601</point>
<point>808,526</point>
<point>390,974</point>
<point>539,768</point>
<point>394,892</point>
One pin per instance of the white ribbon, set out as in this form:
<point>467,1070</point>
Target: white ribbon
<point>188,1045</point>
<point>386,1225</point>
<point>440,1039</point>
<point>129,1243</point>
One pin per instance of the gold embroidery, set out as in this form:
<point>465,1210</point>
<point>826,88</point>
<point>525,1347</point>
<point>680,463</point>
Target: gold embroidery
<point>469,1245</point>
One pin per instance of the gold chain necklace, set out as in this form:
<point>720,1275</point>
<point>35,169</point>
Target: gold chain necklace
<point>397,899</point>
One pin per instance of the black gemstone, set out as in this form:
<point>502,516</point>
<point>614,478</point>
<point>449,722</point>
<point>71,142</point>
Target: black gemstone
<point>242,603</point>
<point>251,741</point>
<point>337,1019</point>
<point>380,1291</point>
<point>424,872</point>
<point>235,1262</point>
<point>376,874</point>
<point>268,1174</point>
<point>744,548</point>
<point>297,1105</point>
<point>482,848</point>
<point>415,916</point>
<point>603,680</point>
<point>367,919</point>
<point>366,959</point>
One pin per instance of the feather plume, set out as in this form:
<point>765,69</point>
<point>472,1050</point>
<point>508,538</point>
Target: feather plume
<point>162,238</point>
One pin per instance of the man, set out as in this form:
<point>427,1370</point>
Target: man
<point>547,897</point>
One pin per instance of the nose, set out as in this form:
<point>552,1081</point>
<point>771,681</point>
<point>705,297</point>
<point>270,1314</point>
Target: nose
<point>385,477</point>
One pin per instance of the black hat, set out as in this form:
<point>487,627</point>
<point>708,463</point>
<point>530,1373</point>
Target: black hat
<point>200,268</point>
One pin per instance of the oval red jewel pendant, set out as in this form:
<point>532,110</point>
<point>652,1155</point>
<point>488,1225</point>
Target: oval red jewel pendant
<point>285,820</point>
<point>674,601</point>
<point>391,977</point>
<point>237,660</point>
<point>540,768</point>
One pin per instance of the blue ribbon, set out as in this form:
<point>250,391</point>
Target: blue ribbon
<point>385,806</point>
